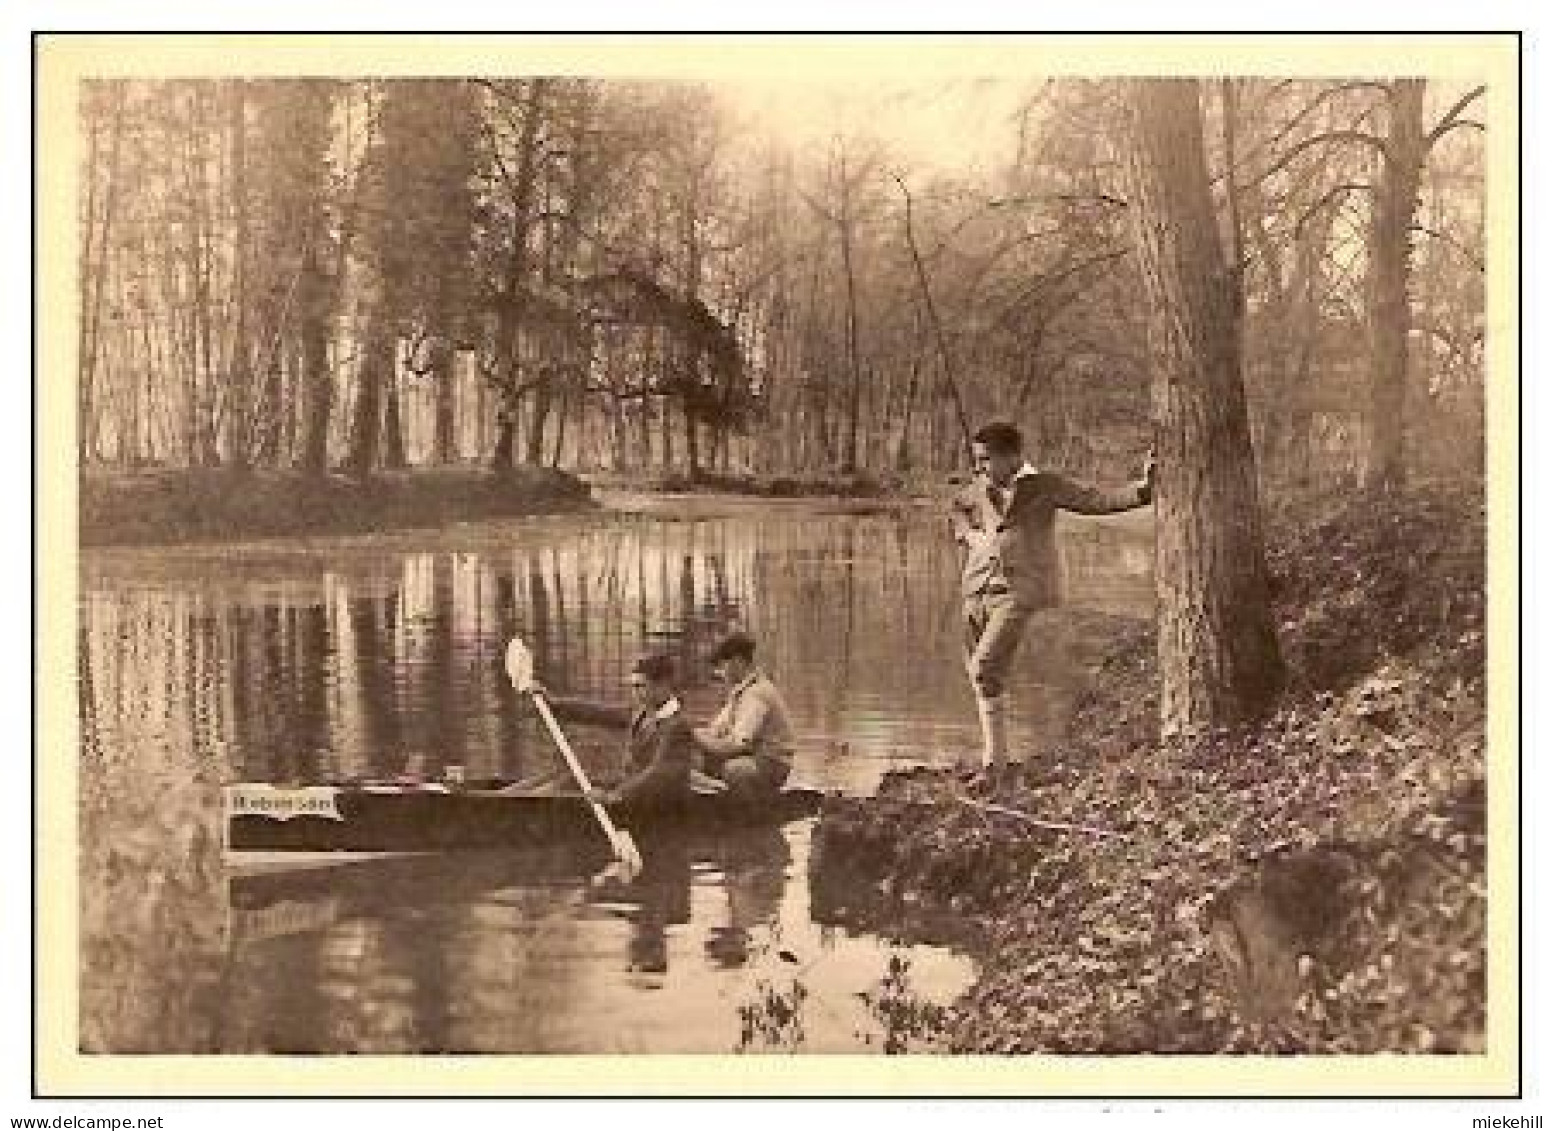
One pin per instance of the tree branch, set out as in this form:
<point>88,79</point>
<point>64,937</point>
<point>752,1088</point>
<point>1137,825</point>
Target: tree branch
<point>1288,127</point>
<point>826,213</point>
<point>1355,137</point>
<point>1450,120</point>
<point>1452,241</point>
<point>1326,198</point>
<point>1051,281</point>
<point>1472,123</point>
<point>1065,197</point>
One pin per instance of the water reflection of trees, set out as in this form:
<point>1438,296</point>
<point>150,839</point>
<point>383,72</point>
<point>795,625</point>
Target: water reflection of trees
<point>357,667</point>
<point>356,673</point>
<point>151,881</point>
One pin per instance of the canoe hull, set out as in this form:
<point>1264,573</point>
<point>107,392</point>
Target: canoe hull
<point>413,820</point>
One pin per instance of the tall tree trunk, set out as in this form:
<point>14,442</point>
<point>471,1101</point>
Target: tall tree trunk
<point>662,361</point>
<point>854,363</point>
<point>240,396</point>
<point>540,405</point>
<point>206,453</point>
<point>512,304</point>
<point>1218,652</point>
<point>377,366</point>
<point>692,441</point>
<point>903,462</point>
<point>1396,201</point>
<point>558,445</point>
<point>315,301</point>
<point>687,356</point>
<point>1302,339</point>
<point>393,419</point>
<point>321,283</point>
<point>97,243</point>
<point>444,375</point>
<point>506,436</point>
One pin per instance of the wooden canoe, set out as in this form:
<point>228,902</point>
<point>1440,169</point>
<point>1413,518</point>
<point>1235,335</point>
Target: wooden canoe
<point>263,818</point>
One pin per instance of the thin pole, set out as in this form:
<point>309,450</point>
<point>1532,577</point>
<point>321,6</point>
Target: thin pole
<point>932,312</point>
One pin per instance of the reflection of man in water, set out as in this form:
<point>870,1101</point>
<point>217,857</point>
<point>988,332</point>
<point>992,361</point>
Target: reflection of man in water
<point>753,864</point>
<point>749,743</point>
<point>1006,521</point>
<point>662,892</point>
<point>754,867</point>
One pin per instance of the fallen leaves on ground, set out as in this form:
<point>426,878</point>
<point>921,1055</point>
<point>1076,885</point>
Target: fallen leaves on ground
<point>1374,763</point>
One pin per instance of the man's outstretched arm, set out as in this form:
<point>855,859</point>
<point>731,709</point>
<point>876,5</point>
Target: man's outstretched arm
<point>1083,498</point>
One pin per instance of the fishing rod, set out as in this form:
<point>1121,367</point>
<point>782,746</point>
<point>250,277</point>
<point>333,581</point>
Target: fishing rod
<point>932,313</point>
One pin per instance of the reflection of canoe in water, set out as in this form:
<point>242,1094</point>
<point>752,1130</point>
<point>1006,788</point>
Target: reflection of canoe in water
<point>431,818</point>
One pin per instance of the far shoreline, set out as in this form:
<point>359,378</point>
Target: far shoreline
<point>224,507</point>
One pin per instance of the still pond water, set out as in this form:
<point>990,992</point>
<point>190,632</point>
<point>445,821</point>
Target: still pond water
<point>310,660</point>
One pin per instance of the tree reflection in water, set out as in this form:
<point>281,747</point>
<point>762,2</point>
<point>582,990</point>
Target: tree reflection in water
<point>334,661</point>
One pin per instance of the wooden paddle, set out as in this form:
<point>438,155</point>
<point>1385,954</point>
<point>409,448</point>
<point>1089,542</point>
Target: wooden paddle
<point>520,670</point>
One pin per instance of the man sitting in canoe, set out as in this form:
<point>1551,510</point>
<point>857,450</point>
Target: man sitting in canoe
<point>749,743</point>
<point>660,744</point>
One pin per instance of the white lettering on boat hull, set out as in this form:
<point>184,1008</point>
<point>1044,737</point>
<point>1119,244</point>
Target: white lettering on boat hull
<point>281,803</point>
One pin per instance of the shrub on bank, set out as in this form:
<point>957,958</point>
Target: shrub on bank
<point>856,486</point>
<point>202,504</point>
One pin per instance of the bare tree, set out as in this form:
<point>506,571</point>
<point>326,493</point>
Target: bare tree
<point>1219,657</point>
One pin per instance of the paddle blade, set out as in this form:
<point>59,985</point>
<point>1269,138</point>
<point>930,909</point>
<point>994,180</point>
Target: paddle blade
<point>520,665</point>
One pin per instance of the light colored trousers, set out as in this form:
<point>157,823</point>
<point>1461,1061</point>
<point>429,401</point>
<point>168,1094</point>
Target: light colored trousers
<point>994,626</point>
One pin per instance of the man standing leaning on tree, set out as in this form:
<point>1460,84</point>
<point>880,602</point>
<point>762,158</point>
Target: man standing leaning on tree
<point>1006,521</point>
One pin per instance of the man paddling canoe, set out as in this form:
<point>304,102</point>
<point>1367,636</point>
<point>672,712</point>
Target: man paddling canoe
<point>661,747</point>
<point>746,750</point>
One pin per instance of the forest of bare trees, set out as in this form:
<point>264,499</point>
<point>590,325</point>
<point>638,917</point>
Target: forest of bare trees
<point>627,276</point>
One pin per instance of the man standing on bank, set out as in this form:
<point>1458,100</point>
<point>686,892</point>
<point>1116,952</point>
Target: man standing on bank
<point>749,743</point>
<point>1006,521</point>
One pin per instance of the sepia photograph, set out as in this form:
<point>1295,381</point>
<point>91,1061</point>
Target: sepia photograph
<point>930,566</point>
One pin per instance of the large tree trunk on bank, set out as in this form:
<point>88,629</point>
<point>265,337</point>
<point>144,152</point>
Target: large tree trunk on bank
<point>513,305</point>
<point>540,408</point>
<point>444,378</point>
<point>1218,652</point>
<point>377,367</point>
<point>394,458</point>
<point>444,374</point>
<point>321,282</point>
<point>316,300</point>
<point>506,436</point>
<point>692,444</point>
<point>1396,201</point>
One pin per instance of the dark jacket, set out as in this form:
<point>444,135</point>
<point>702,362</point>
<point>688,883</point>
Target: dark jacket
<point>1011,545</point>
<point>662,751</point>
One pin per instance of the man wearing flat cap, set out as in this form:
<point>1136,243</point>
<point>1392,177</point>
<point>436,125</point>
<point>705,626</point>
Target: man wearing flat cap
<point>749,743</point>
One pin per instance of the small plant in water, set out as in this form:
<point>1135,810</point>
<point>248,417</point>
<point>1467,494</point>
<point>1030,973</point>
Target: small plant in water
<point>773,1022</point>
<point>904,1018</point>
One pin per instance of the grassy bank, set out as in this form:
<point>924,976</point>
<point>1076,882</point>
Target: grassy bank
<point>148,508</point>
<point>1313,883</point>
